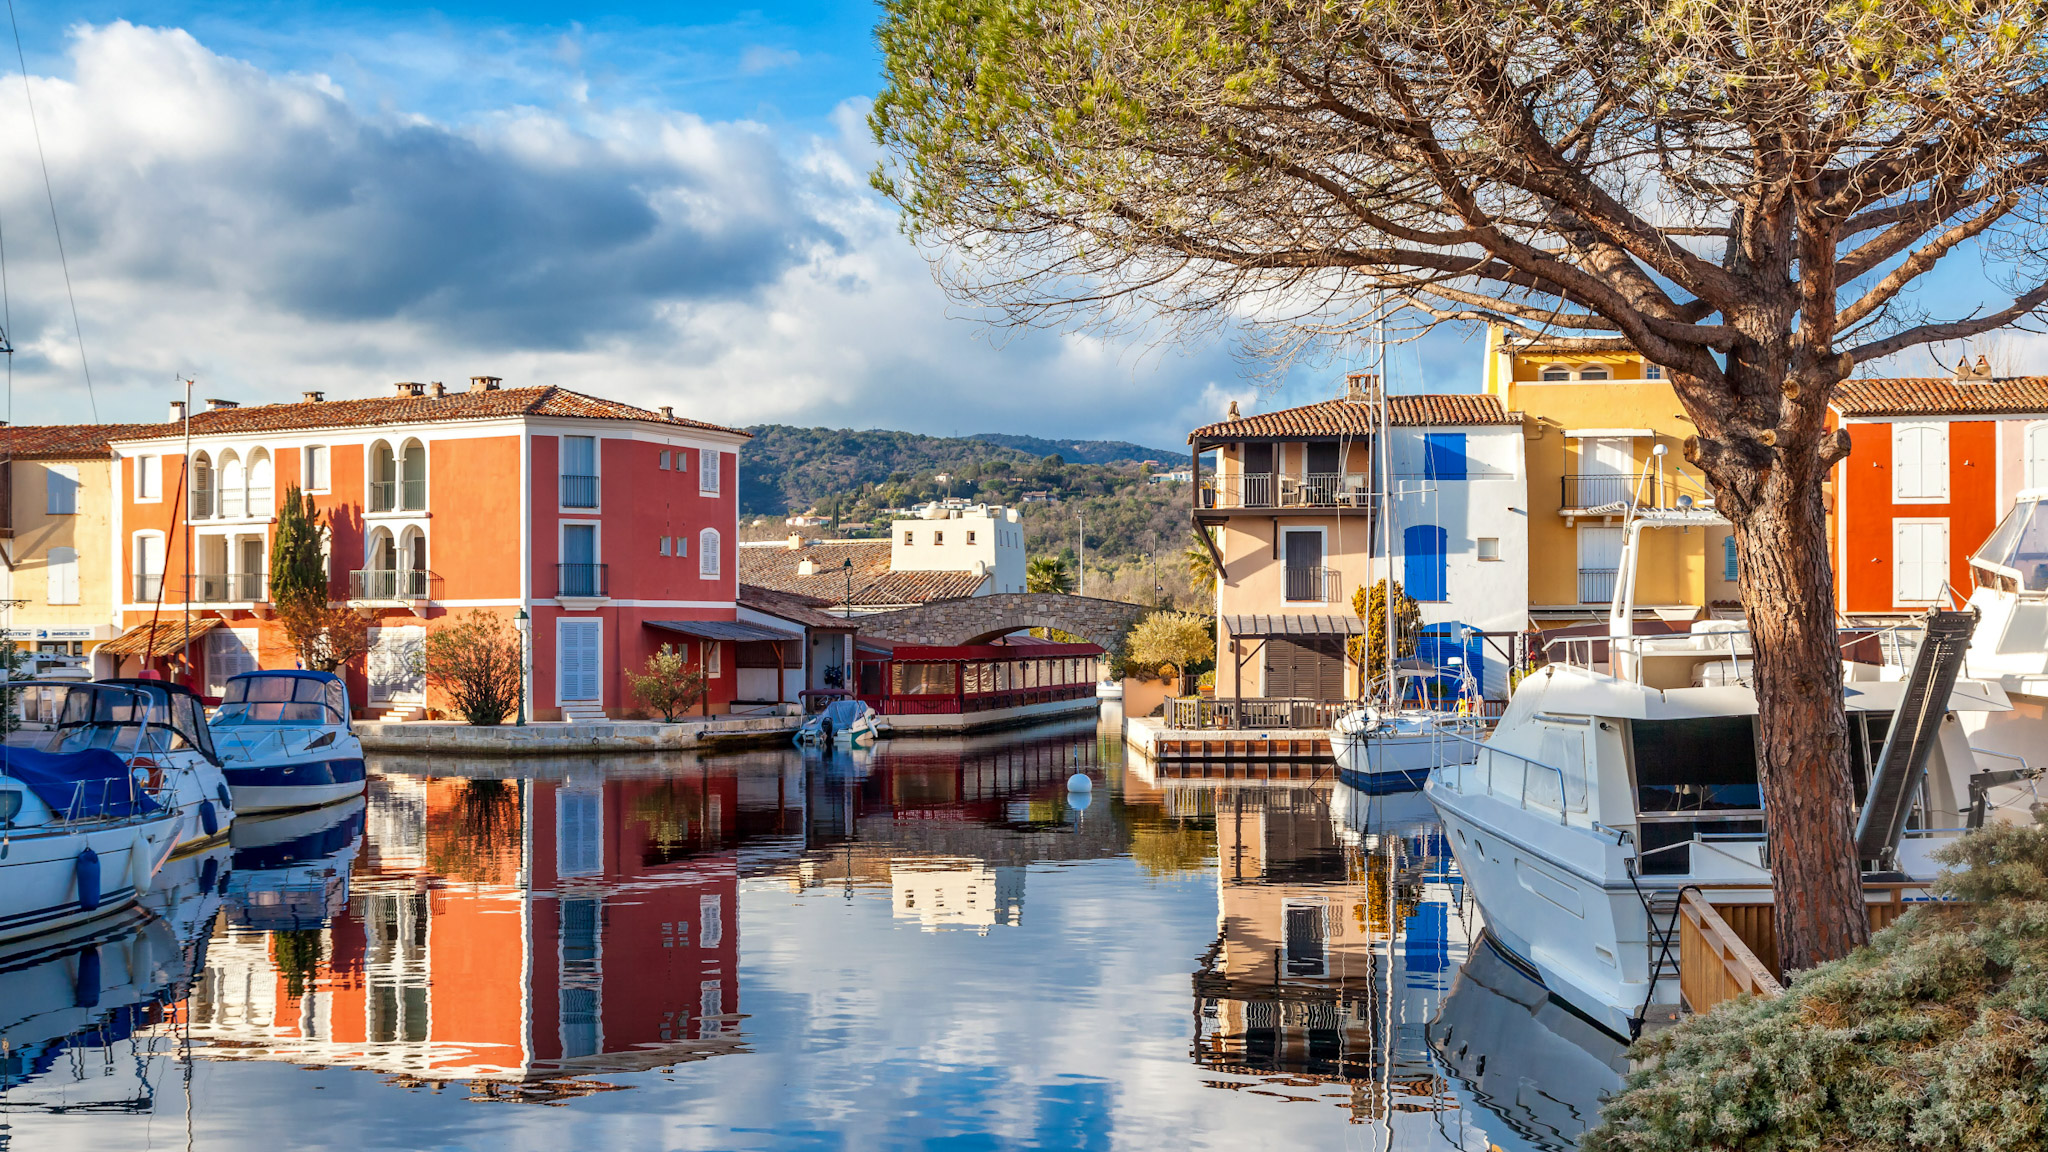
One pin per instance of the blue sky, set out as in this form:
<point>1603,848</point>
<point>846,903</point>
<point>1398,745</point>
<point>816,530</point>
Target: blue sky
<point>664,204</point>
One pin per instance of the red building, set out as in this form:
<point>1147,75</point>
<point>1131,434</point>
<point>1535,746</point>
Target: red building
<point>612,528</point>
<point>1934,464</point>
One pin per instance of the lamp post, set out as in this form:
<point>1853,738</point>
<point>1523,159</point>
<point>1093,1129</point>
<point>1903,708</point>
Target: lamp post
<point>519,624</point>
<point>847,566</point>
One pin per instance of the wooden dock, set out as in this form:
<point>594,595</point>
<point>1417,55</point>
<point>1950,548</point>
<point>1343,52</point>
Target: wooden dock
<point>1221,747</point>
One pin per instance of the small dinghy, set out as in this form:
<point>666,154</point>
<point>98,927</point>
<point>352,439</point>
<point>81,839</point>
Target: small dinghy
<point>843,723</point>
<point>80,836</point>
<point>285,741</point>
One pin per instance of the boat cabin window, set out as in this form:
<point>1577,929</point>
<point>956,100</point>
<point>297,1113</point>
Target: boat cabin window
<point>1693,777</point>
<point>282,700</point>
<point>2019,547</point>
<point>73,718</point>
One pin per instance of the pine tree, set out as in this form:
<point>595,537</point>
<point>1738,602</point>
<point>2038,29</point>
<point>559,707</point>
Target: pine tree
<point>296,568</point>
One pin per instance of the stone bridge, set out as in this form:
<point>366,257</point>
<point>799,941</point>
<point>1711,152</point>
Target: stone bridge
<point>979,619</point>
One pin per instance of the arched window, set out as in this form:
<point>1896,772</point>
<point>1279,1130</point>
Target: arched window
<point>234,485</point>
<point>262,491</point>
<point>707,553</point>
<point>1554,372</point>
<point>2037,456</point>
<point>380,556</point>
<point>383,478</point>
<point>1593,372</point>
<point>412,564</point>
<point>202,486</point>
<point>413,468</point>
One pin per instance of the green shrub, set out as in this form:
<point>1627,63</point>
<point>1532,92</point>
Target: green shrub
<point>1935,1036</point>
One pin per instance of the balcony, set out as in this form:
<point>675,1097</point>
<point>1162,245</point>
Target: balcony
<point>1265,491</point>
<point>148,587</point>
<point>383,495</point>
<point>1596,491</point>
<point>229,588</point>
<point>398,496</point>
<point>1596,585</point>
<point>1316,585</point>
<point>392,584</point>
<point>582,581</point>
<point>579,491</point>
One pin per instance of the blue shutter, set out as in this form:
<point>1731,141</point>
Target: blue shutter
<point>1444,455</point>
<point>1728,567</point>
<point>1423,562</point>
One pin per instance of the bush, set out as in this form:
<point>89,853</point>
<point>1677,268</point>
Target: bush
<point>477,663</point>
<point>1173,640</point>
<point>668,685</point>
<point>1934,1036</point>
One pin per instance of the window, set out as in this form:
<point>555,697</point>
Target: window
<point>1489,547</point>
<point>682,460</point>
<point>412,467</point>
<point>2037,456</point>
<point>579,471</point>
<point>1592,371</point>
<point>1920,560</point>
<point>61,566</point>
<point>938,539</point>
<point>1554,372</point>
<point>1443,455</point>
<point>579,842</point>
<point>1920,463</point>
<point>714,663</point>
<point>1730,566</point>
<point>202,487</point>
<point>909,538</point>
<point>149,477</point>
<point>707,553</point>
<point>60,488</point>
<point>970,537</point>
<point>710,923</point>
<point>234,487</point>
<point>383,478</point>
<point>664,545</point>
<point>315,467</point>
<point>682,545</point>
<point>262,491</point>
<point>149,566</point>
<point>1653,371</point>
<point>664,460</point>
<point>707,472</point>
<point>1422,546</point>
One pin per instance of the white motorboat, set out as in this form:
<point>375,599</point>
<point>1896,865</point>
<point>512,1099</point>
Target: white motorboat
<point>1607,788</point>
<point>1395,753</point>
<point>2009,572</point>
<point>173,743</point>
<point>80,838</point>
<point>285,741</point>
<point>842,723</point>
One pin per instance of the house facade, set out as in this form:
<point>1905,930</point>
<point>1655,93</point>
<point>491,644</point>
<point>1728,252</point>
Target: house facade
<point>1933,465</point>
<point>1288,504</point>
<point>611,528</point>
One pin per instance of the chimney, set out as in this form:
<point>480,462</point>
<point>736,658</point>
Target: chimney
<point>807,567</point>
<point>667,413</point>
<point>1983,367</point>
<point>313,397</point>
<point>485,383</point>
<point>177,411</point>
<point>213,405</point>
<point>1980,371</point>
<point>407,388</point>
<point>796,541</point>
<point>1359,386</point>
<point>439,388</point>
<point>1233,411</point>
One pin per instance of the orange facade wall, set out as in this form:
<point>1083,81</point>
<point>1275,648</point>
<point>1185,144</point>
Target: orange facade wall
<point>1867,510</point>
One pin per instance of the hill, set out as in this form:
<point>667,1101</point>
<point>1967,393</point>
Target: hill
<point>1086,451</point>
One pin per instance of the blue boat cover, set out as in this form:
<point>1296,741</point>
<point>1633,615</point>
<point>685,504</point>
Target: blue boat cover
<point>843,713</point>
<point>89,785</point>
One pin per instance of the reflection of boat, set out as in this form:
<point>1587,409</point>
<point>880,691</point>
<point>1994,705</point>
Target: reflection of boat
<point>1358,815</point>
<point>1530,1061</point>
<point>285,741</point>
<point>844,723</point>
<point>91,986</point>
<point>291,870</point>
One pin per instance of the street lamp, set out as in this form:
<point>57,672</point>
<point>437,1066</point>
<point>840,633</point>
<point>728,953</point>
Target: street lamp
<point>847,566</point>
<point>519,624</point>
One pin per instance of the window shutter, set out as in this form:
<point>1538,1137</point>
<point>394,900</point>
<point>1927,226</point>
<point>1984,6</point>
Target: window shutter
<point>1423,562</point>
<point>2037,456</point>
<point>707,553</point>
<point>61,482</point>
<point>1444,455</point>
<point>707,471</point>
<point>62,567</point>
<point>579,645</point>
<point>1729,569</point>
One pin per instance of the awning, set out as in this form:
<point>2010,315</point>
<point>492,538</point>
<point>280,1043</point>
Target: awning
<point>169,637</point>
<point>1254,627</point>
<point>723,630</point>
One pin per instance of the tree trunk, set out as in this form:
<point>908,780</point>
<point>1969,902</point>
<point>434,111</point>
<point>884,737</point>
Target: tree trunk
<point>1802,743</point>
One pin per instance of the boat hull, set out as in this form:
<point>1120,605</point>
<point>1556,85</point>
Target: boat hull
<point>41,888</point>
<point>284,787</point>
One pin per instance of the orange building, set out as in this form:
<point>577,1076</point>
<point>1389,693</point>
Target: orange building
<point>611,528</point>
<point>1934,464</point>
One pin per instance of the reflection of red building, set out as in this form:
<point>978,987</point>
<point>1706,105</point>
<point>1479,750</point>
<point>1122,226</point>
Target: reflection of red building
<point>549,928</point>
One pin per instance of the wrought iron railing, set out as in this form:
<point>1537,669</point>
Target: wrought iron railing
<point>383,495</point>
<point>582,580</point>
<point>229,587</point>
<point>1596,491</point>
<point>1266,490</point>
<point>148,587</point>
<point>1184,712</point>
<point>1319,585</point>
<point>391,584</point>
<point>579,491</point>
<point>1596,585</point>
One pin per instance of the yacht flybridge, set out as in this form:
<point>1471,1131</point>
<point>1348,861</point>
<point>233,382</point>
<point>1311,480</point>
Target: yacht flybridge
<point>2009,574</point>
<point>1616,778</point>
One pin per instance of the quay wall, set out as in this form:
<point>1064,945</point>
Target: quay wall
<point>439,737</point>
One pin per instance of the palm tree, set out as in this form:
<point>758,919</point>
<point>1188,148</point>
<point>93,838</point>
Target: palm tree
<point>1200,564</point>
<point>1047,574</point>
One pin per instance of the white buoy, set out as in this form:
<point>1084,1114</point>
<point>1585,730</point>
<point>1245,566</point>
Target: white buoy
<point>1079,782</point>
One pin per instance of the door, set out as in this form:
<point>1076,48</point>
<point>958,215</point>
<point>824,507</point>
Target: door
<point>579,560</point>
<point>579,651</point>
<point>1920,559</point>
<point>1304,576</point>
<point>1599,563</point>
<point>1258,476</point>
<point>1309,668</point>
<point>1606,464</point>
<point>250,584</point>
<point>397,664</point>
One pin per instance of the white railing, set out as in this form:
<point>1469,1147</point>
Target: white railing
<point>1278,490</point>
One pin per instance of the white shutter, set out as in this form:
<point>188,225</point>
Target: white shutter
<point>707,471</point>
<point>61,568</point>
<point>579,648</point>
<point>1920,462</point>
<point>1920,559</point>
<point>61,487</point>
<point>2037,456</point>
<point>707,553</point>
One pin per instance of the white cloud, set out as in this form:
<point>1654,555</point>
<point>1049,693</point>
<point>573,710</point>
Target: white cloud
<point>267,233</point>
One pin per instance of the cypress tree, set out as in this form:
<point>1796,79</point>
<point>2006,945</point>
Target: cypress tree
<point>296,571</point>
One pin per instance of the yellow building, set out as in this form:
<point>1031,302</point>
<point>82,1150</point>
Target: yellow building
<point>56,547</point>
<point>1604,430</point>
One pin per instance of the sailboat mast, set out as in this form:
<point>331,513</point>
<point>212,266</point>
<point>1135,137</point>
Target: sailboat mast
<point>1386,470</point>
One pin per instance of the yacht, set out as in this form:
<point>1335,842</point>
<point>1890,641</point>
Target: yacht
<point>2009,574</point>
<point>81,838</point>
<point>1609,786</point>
<point>177,747</point>
<point>285,741</point>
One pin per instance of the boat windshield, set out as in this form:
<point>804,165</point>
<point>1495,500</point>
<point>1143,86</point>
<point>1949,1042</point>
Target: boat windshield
<point>76,717</point>
<point>2020,545</point>
<point>260,699</point>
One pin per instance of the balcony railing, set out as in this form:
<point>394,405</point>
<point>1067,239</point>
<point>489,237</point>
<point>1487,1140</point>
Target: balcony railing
<point>202,502</point>
<point>1596,585</point>
<point>383,495</point>
<point>392,584</point>
<point>1597,491</point>
<point>1202,712</point>
<point>229,587</point>
<point>579,491</point>
<point>1262,490</point>
<point>148,587</point>
<point>1320,585</point>
<point>412,496</point>
<point>582,580</point>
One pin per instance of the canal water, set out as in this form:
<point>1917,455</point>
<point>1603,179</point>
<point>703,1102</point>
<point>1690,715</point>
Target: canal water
<point>926,945</point>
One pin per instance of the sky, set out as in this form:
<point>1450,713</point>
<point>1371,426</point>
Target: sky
<point>663,204</point>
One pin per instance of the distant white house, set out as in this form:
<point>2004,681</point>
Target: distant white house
<point>1177,476</point>
<point>954,537</point>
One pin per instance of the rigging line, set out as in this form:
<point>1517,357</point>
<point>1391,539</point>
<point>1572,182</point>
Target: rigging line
<point>51,194</point>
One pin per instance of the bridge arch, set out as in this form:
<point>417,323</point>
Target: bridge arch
<point>979,619</point>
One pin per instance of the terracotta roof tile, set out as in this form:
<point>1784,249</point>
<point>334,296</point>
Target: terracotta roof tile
<point>918,587</point>
<point>1938,396</point>
<point>778,568</point>
<point>456,405</point>
<point>792,606</point>
<point>71,441</point>
<point>1352,418</point>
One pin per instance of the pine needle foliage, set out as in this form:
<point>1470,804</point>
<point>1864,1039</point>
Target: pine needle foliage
<point>1933,1037</point>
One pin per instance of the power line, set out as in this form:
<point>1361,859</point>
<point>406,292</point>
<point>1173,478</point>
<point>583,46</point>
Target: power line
<point>51,194</point>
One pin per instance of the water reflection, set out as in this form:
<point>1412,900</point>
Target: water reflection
<point>938,945</point>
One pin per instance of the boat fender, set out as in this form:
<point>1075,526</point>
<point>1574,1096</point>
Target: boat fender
<point>221,790</point>
<point>88,871</point>
<point>85,989</point>
<point>1079,782</point>
<point>208,818</point>
<point>825,730</point>
<point>208,873</point>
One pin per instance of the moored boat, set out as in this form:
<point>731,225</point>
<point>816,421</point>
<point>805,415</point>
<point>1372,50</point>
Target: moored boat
<point>285,741</point>
<point>842,723</point>
<point>1379,753</point>
<point>176,746</point>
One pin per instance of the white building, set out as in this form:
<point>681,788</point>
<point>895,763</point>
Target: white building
<point>982,538</point>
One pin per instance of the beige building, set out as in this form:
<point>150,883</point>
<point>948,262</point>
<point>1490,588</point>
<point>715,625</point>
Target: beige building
<point>56,548</point>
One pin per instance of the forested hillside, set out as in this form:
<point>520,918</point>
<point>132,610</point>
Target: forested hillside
<point>1087,451</point>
